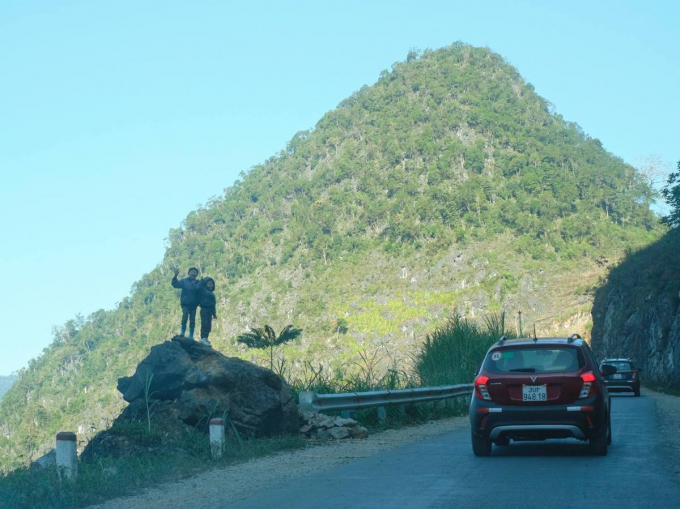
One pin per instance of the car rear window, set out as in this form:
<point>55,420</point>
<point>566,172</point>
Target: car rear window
<point>534,360</point>
<point>621,366</point>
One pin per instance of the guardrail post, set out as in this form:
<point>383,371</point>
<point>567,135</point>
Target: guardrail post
<point>382,414</point>
<point>216,438</point>
<point>345,414</point>
<point>402,410</point>
<point>67,455</point>
<point>306,399</point>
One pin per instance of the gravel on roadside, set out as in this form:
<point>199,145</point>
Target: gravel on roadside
<point>219,487</point>
<point>668,415</point>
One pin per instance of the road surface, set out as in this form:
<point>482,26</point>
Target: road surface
<point>442,472</point>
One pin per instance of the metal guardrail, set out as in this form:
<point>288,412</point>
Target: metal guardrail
<point>313,402</point>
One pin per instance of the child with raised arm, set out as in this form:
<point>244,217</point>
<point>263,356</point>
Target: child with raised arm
<point>188,299</point>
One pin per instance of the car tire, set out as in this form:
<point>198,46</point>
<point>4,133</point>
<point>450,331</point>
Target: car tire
<point>598,444</point>
<point>637,392</point>
<point>609,432</point>
<point>481,446</point>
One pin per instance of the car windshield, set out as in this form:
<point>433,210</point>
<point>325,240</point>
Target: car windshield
<point>534,360</point>
<point>621,366</point>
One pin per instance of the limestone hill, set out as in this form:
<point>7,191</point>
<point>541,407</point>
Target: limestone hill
<point>449,186</point>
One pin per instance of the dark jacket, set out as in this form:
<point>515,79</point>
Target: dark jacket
<point>189,295</point>
<point>206,298</point>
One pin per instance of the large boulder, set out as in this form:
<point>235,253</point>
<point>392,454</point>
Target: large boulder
<point>184,384</point>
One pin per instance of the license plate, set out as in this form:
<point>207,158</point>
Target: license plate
<point>617,376</point>
<point>534,393</point>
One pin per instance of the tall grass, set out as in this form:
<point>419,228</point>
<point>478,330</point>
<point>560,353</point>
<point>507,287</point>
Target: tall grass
<point>375,371</point>
<point>453,353</point>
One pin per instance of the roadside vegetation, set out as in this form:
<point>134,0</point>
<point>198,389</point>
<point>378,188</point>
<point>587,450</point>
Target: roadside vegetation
<point>106,478</point>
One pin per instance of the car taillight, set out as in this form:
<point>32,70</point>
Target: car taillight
<point>588,388</point>
<point>480,387</point>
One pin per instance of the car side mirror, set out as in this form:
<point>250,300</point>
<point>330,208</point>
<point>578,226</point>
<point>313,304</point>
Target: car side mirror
<point>608,369</point>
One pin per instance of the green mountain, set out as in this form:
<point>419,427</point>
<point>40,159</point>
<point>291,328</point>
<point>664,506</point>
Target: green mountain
<point>5,383</point>
<point>448,186</point>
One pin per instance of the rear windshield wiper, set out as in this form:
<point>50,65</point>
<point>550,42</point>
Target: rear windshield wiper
<point>524,370</point>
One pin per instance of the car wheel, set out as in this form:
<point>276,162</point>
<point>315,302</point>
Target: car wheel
<point>637,392</point>
<point>598,444</point>
<point>481,446</point>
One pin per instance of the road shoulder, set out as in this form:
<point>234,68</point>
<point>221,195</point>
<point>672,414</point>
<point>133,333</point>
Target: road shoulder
<point>668,415</point>
<point>222,486</point>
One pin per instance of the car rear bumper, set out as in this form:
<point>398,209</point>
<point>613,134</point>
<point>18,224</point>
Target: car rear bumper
<point>622,385</point>
<point>581,420</point>
<point>539,430</point>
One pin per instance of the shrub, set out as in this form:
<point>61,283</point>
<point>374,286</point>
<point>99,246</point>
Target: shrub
<point>453,353</point>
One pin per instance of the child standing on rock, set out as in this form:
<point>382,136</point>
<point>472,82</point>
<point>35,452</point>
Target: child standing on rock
<point>207,301</point>
<point>188,299</point>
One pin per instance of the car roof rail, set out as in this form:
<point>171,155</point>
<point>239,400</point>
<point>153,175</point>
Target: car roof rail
<point>574,337</point>
<point>502,340</point>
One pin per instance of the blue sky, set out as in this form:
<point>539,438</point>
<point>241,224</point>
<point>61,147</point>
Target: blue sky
<point>118,118</point>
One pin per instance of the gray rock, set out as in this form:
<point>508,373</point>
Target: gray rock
<point>339,421</point>
<point>339,433</point>
<point>203,382</point>
<point>358,432</point>
<point>45,461</point>
<point>326,422</point>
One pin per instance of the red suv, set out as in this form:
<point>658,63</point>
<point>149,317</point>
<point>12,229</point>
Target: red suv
<point>540,388</point>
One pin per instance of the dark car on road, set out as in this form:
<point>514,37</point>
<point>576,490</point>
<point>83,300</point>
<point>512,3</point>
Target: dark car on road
<point>537,389</point>
<point>626,378</point>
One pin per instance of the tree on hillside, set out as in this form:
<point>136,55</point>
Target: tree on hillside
<point>671,194</point>
<point>267,338</point>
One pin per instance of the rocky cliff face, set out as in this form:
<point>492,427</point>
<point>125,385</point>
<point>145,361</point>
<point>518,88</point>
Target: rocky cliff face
<point>637,312</point>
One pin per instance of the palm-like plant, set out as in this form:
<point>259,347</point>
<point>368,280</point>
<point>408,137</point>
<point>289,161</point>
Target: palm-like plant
<point>267,338</point>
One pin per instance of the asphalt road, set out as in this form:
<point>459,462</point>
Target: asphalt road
<point>443,473</point>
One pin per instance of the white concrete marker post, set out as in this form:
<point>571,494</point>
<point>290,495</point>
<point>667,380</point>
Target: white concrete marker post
<point>67,455</point>
<point>216,438</point>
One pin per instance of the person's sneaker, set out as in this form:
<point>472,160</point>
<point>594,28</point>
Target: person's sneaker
<point>205,341</point>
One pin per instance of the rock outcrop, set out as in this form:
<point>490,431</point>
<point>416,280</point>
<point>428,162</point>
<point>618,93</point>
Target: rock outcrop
<point>185,383</point>
<point>636,313</point>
